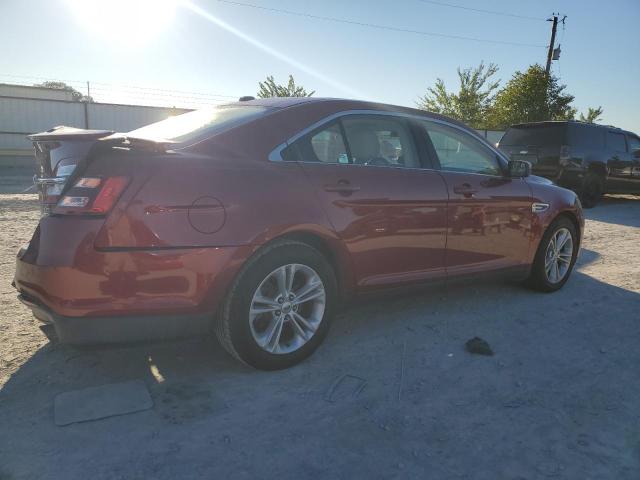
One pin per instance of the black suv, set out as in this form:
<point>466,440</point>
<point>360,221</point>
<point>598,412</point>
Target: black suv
<point>587,158</point>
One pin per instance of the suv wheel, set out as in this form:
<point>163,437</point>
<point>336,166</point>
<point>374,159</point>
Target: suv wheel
<point>555,257</point>
<point>592,189</point>
<point>279,308</point>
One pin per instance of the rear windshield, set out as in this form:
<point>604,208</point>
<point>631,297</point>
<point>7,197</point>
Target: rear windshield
<point>198,124</point>
<point>538,135</point>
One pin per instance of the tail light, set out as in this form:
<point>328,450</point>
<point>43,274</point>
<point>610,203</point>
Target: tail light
<point>92,196</point>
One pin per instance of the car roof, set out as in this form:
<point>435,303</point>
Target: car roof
<point>568,122</point>
<point>337,105</point>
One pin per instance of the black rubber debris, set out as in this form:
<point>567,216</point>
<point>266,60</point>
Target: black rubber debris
<point>478,346</point>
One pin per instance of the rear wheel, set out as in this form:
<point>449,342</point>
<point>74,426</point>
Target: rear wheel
<point>592,189</point>
<point>555,257</point>
<point>279,308</point>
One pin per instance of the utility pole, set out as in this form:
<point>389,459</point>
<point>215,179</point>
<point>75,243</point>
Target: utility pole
<point>553,41</point>
<point>552,44</point>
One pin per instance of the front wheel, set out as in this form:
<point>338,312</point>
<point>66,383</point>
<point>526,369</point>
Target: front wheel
<point>555,257</point>
<point>280,307</point>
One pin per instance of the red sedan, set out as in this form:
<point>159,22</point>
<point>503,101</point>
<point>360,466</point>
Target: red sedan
<point>257,218</point>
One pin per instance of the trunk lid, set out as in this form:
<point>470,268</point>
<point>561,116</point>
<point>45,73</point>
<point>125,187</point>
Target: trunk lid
<point>58,152</point>
<point>63,153</point>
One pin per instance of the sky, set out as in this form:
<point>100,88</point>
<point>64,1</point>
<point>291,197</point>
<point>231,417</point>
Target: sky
<point>137,50</point>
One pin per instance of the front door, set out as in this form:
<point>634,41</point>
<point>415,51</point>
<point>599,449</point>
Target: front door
<point>489,214</point>
<point>393,223</point>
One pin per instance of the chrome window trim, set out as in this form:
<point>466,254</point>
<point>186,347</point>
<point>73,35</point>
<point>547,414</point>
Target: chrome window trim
<point>275,154</point>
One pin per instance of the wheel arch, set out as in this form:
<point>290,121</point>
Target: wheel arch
<point>572,217</point>
<point>331,248</point>
<point>598,168</point>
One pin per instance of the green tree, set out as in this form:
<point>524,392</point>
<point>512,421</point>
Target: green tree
<point>531,96</point>
<point>474,98</point>
<point>269,88</point>
<point>75,94</point>
<point>593,115</point>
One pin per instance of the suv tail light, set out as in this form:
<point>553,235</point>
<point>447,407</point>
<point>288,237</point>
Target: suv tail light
<point>92,196</point>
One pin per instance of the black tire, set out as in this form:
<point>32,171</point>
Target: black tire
<point>592,189</point>
<point>232,326</point>
<point>538,278</point>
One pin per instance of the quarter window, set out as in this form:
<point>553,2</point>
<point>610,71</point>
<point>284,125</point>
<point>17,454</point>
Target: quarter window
<point>460,152</point>
<point>634,143</point>
<point>616,142</point>
<point>325,145</point>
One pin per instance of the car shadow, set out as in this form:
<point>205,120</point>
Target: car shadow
<point>411,374</point>
<point>616,209</point>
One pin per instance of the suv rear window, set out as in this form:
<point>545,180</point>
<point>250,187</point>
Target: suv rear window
<point>538,135</point>
<point>198,124</point>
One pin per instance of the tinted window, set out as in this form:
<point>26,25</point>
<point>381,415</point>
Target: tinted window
<point>380,141</point>
<point>460,152</point>
<point>615,142</point>
<point>199,123</point>
<point>587,136</point>
<point>324,145</point>
<point>634,143</point>
<point>543,135</point>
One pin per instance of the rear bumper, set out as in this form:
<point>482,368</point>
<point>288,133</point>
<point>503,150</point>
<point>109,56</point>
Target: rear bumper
<point>119,329</point>
<point>118,296</point>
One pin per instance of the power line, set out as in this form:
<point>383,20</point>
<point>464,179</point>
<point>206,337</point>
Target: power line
<point>480,10</point>
<point>376,25</point>
<point>103,89</point>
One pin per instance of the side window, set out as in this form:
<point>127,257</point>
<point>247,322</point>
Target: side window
<point>460,152</point>
<point>382,141</point>
<point>634,143</point>
<point>325,145</point>
<point>615,142</point>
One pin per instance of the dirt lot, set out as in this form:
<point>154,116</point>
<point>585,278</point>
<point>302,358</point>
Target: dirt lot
<point>560,399</point>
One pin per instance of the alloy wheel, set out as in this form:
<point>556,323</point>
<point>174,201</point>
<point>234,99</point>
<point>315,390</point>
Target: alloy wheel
<point>287,308</point>
<point>557,260</point>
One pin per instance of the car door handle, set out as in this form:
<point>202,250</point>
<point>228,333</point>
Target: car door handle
<point>465,189</point>
<point>343,187</point>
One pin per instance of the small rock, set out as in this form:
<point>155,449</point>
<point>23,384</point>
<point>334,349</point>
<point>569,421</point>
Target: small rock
<point>478,346</point>
<point>603,350</point>
<point>227,439</point>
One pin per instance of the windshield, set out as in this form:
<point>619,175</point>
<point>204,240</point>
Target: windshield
<point>199,123</point>
<point>539,135</point>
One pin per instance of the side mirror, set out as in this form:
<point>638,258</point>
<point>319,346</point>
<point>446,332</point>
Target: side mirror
<point>519,168</point>
<point>636,153</point>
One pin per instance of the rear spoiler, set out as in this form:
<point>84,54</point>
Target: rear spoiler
<point>69,133</point>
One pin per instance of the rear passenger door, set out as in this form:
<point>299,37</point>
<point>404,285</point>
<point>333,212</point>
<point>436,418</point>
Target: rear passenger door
<point>634,149</point>
<point>489,214</point>
<point>392,223</point>
<point>619,164</point>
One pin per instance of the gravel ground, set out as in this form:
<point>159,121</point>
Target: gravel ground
<point>560,399</point>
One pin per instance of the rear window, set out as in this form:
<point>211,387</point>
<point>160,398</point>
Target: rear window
<point>199,123</point>
<point>538,135</point>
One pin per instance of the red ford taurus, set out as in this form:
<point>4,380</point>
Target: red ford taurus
<point>255,219</point>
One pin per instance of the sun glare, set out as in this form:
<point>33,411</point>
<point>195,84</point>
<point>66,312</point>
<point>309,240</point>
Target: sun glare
<point>126,22</point>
